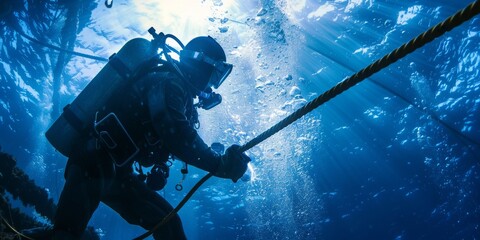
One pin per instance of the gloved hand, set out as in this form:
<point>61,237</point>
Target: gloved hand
<point>233,164</point>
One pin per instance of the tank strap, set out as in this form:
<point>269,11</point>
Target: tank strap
<point>120,67</point>
<point>72,118</point>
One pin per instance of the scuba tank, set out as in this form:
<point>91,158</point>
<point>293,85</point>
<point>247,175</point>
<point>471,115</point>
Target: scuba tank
<point>78,117</point>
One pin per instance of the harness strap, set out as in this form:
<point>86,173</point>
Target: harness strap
<point>120,67</point>
<point>72,118</point>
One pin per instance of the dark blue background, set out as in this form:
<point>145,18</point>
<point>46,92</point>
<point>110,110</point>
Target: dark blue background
<point>396,157</point>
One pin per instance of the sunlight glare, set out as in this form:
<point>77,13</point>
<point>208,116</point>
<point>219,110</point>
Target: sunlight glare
<point>184,18</point>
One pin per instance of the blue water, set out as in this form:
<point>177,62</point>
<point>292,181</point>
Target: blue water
<point>395,157</point>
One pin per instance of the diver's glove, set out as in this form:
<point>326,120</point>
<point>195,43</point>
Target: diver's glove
<point>233,164</point>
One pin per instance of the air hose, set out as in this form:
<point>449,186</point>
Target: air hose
<point>438,30</point>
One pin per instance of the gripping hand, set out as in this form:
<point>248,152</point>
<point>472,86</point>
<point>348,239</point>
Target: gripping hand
<point>233,164</point>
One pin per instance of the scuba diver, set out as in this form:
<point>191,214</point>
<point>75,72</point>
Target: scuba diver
<point>155,119</point>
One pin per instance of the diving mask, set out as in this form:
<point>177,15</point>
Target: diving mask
<point>221,69</point>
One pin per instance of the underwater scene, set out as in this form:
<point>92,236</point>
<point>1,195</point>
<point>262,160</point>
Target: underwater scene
<point>396,155</point>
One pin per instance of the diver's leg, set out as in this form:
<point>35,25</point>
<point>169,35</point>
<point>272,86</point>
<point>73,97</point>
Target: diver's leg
<point>87,176</point>
<point>79,199</point>
<point>139,205</point>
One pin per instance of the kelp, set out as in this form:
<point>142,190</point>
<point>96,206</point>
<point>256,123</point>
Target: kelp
<point>15,183</point>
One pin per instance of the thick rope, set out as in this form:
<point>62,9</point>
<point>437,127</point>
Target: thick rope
<point>418,42</point>
<point>438,30</point>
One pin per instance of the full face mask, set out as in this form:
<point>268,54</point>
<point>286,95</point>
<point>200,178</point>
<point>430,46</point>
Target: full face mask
<point>221,69</point>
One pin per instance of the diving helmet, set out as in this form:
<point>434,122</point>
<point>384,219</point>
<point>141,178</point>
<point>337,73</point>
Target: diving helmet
<point>204,61</point>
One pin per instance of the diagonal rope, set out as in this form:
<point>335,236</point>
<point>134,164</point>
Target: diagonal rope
<point>418,42</point>
<point>59,48</point>
<point>438,30</point>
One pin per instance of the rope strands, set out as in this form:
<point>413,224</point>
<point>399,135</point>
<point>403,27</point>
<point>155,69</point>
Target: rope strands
<point>438,30</point>
<point>418,42</point>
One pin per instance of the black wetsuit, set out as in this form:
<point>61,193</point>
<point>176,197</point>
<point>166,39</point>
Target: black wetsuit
<point>157,113</point>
